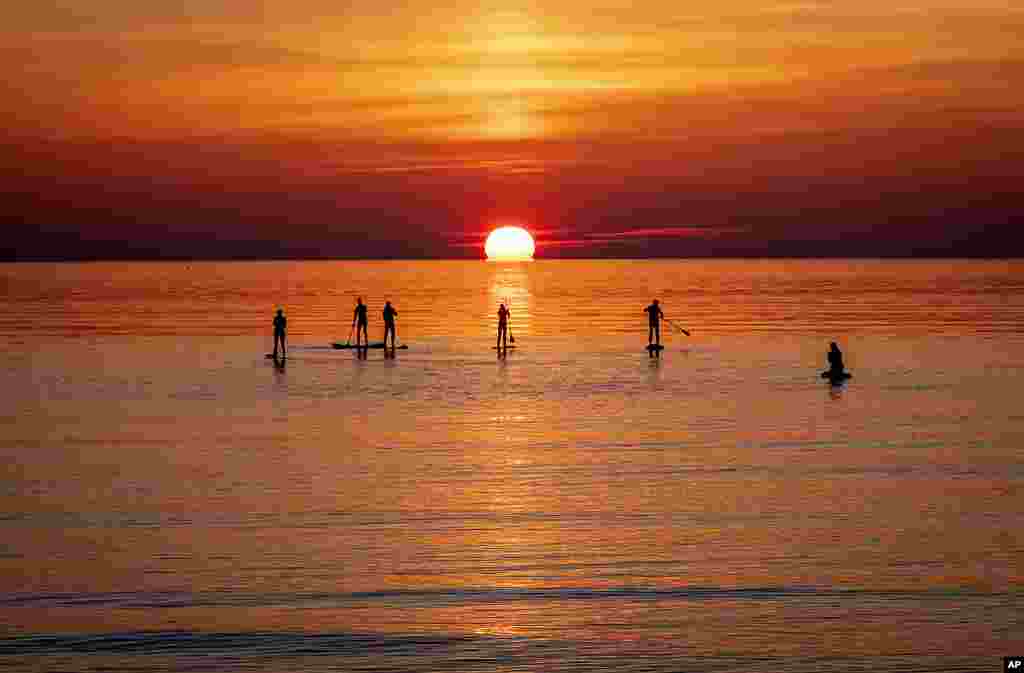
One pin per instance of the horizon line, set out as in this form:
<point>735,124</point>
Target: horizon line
<point>208,260</point>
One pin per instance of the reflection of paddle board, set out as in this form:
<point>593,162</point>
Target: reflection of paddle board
<point>655,347</point>
<point>836,378</point>
<point>374,344</point>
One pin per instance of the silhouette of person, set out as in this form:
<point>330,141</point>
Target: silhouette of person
<point>503,315</point>
<point>835,360</point>
<point>389,323</point>
<point>360,321</point>
<point>280,323</point>
<point>654,316</point>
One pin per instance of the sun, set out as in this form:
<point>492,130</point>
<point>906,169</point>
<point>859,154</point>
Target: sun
<point>509,243</point>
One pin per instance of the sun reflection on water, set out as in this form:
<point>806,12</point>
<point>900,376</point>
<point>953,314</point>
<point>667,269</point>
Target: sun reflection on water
<point>510,284</point>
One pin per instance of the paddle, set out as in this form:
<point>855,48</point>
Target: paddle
<point>511,339</point>
<point>677,327</point>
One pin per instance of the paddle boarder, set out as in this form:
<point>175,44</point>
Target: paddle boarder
<point>654,316</point>
<point>836,369</point>
<point>360,321</point>
<point>389,323</point>
<point>280,323</point>
<point>503,315</point>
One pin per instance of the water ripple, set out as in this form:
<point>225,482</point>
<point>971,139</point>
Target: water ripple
<point>463,595</point>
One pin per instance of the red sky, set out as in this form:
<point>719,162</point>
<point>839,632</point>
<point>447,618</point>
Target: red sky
<point>323,129</point>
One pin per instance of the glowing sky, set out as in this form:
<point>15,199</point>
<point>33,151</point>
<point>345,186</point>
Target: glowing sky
<point>222,127</point>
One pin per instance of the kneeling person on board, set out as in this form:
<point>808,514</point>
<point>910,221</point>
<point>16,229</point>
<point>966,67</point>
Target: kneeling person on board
<point>835,361</point>
<point>389,323</point>
<point>654,316</point>
<point>503,314</point>
<point>280,323</point>
<point>359,321</point>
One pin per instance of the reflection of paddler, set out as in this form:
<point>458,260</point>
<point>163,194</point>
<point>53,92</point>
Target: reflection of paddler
<point>503,315</point>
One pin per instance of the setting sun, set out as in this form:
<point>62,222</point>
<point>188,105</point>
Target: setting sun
<point>509,243</point>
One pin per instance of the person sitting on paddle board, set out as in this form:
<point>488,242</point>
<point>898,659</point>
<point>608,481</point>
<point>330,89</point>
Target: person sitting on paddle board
<point>359,321</point>
<point>835,361</point>
<point>654,316</point>
<point>389,323</point>
<point>503,314</point>
<point>280,323</point>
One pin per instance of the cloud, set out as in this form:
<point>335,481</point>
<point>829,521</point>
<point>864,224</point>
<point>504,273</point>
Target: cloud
<point>681,231</point>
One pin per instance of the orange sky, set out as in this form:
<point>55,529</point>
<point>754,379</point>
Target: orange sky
<point>507,106</point>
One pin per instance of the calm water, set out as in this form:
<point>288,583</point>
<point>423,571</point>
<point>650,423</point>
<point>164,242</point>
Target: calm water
<point>172,501</point>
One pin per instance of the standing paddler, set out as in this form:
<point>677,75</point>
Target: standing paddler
<point>280,324</point>
<point>503,315</point>
<point>360,322</point>
<point>654,316</point>
<point>389,323</point>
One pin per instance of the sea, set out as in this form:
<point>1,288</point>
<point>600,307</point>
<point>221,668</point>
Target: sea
<point>172,500</point>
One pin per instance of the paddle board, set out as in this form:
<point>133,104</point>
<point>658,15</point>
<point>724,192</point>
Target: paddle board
<point>374,344</point>
<point>836,378</point>
<point>494,348</point>
<point>655,347</point>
